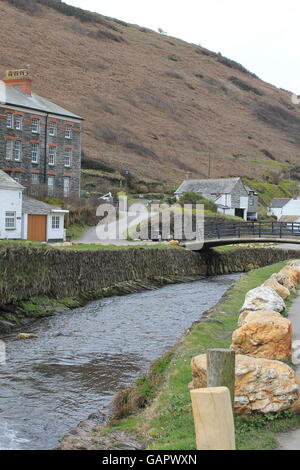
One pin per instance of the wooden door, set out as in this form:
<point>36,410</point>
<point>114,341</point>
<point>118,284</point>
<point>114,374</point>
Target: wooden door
<point>37,228</point>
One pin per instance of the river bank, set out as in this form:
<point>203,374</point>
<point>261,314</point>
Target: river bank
<point>155,413</point>
<point>38,280</point>
<point>80,359</point>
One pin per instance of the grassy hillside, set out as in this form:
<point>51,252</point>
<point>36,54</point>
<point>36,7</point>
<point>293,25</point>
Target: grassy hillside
<point>152,103</point>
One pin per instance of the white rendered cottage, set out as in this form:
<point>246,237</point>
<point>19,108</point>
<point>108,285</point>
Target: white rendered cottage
<point>10,208</point>
<point>22,217</point>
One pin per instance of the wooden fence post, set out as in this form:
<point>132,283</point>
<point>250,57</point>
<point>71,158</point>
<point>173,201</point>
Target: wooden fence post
<point>221,370</point>
<point>213,417</point>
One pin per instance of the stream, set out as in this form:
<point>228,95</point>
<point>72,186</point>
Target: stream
<point>82,357</point>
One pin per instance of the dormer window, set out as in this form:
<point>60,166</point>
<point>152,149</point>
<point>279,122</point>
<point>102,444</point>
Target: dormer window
<point>35,126</point>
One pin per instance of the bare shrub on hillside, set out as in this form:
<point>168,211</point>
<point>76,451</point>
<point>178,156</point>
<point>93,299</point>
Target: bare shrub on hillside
<point>105,35</point>
<point>279,118</point>
<point>174,75</point>
<point>29,6</point>
<point>245,86</point>
<point>140,149</point>
<point>268,154</point>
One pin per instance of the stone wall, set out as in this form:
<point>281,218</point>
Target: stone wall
<point>28,271</point>
<point>24,168</point>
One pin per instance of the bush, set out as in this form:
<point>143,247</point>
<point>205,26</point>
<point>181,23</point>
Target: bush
<point>194,198</point>
<point>30,6</point>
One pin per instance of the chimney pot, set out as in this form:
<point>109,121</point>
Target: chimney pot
<point>20,79</point>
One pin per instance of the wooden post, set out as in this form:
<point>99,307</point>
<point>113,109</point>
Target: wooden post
<point>221,370</point>
<point>213,417</point>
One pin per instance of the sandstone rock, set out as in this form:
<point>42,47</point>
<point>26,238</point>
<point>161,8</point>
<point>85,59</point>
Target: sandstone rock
<point>262,385</point>
<point>263,298</point>
<point>292,273</point>
<point>267,335</point>
<point>249,314</point>
<point>26,336</point>
<point>284,280</point>
<point>279,288</point>
<point>174,242</point>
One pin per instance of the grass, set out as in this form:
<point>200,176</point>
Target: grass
<point>167,424</point>
<point>75,231</point>
<point>267,191</point>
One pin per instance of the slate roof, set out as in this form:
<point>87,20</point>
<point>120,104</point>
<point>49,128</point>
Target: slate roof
<point>208,186</point>
<point>6,182</point>
<point>278,202</point>
<point>16,97</point>
<point>35,207</point>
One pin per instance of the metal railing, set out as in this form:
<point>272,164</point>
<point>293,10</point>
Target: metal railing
<point>262,229</point>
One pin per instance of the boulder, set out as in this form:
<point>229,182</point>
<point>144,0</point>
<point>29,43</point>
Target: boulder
<point>279,288</point>
<point>266,335</point>
<point>294,274</point>
<point>26,336</point>
<point>262,385</point>
<point>263,298</point>
<point>284,280</point>
<point>249,313</point>
<point>295,264</point>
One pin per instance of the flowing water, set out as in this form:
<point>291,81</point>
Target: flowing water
<point>82,357</point>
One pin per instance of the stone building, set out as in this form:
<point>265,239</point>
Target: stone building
<point>230,195</point>
<point>40,142</point>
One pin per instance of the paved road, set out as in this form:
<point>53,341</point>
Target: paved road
<point>291,440</point>
<point>111,233</point>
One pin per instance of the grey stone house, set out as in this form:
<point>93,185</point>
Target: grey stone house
<point>230,195</point>
<point>40,142</point>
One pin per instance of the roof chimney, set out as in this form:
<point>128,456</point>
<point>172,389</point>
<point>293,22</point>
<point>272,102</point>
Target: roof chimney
<point>20,79</point>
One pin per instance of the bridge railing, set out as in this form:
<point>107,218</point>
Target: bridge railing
<point>251,230</point>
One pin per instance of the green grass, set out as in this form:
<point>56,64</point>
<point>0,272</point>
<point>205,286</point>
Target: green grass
<point>267,191</point>
<point>75,231</point>
<point>167,424</point>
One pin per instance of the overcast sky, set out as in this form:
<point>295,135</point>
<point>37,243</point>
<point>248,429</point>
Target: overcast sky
<point>263,35</point>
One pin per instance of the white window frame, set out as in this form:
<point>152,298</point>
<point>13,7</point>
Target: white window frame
<point>51,186</point>
<point>53,126</point>
<point>35,125</point>
<point>18,122</point>
<point>35,154</point>
<point>10,220</point>
<point>9,151</point>
<point>67,187</point>
<point>55,222</point>
<point>17,178</point>
<point>17,150</point>
<point>10,121</point>
<point>35,178</point>
<point>68,158</point>
<point>52,152</point>
<point>68,132</point>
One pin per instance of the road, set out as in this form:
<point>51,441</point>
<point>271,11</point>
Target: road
<point>112,233</point>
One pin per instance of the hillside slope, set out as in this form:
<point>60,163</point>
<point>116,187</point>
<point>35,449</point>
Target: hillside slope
<point>152,103</point>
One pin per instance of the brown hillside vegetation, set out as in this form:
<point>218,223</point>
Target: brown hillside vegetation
<point>154,104</point>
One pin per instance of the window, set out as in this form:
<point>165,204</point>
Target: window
<point>68,132</point>
<point>251,198</point>
<point>10,121</point>
<point>68,157</point>
<point>66,187</point>
<point>10,220</point>
<point>51,180</point>
<point>35,126</point>
<point>55,222</point>
<point>17,150</point>
<point>35,153</point>
<point>9,150</point>
<point>52,156</point>
<point>52,128</point>
<point>35,178</point>
<point>18,123</point>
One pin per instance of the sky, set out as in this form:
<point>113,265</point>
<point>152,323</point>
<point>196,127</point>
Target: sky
<point>263,35</point>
